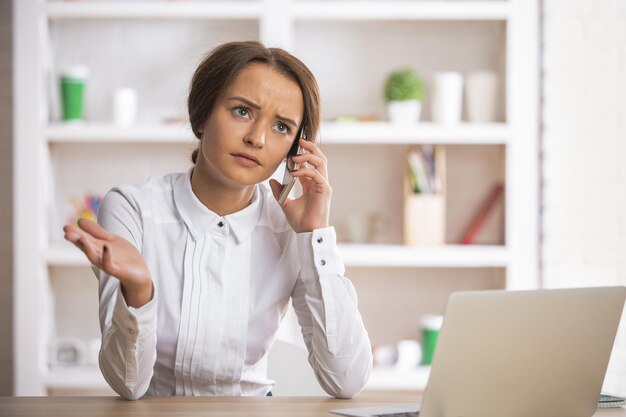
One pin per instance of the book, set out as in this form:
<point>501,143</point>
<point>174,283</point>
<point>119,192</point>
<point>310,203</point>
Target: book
<point>481,215</point>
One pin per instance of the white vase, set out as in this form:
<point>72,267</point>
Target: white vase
<point>407,111</point>
<point>481,92</point>
<point>447,97</point>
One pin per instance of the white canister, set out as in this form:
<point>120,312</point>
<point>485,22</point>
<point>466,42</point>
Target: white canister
<point>481,93</point>
<point>124,106</point>
<point>447,97</point>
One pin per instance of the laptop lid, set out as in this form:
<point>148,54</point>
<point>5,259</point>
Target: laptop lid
<point>540,353</point>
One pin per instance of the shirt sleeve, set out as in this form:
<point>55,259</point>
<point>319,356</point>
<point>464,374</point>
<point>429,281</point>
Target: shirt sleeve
<point>128,351</point>
<point>326,305</point>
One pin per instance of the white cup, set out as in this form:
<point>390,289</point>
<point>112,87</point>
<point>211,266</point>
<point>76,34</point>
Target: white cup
<point>447,97</point>
<point>481,92</point>
<point>409,354</point>
<point>124,106</point>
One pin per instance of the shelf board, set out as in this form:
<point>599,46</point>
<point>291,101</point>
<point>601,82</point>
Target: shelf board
<point>400,10</point>
<point>110,133</point>
<point>65,254</point>
<point>303,10</point>
<point>75,378</point>
<point>423,132</point>
<point>447,256</point>
<point>360,255</point>
<point>154,10</point>
<point>393,379</point>
<point>383,133</point>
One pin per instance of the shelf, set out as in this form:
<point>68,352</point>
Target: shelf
<point>306,10</point>
<point>154,10</point>
<point>423,132</point>
<point>64,254</point>
<point>392,379</point>
<point>449,256</point>
<point>75,379</point>
<point>373,133</point>
<point>401,10</point>
<point>109,133</point>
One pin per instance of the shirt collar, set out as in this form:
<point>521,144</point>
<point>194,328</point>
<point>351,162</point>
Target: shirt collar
<point>200,220</point>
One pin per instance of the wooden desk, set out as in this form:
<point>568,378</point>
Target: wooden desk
<point>203,406</point>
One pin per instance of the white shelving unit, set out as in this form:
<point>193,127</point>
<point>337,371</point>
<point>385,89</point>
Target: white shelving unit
<point>333,38</point>
<point>374,133</point>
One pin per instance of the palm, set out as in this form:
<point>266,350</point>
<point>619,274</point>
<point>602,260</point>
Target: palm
<point>110,253</point>
<point>310,210</point>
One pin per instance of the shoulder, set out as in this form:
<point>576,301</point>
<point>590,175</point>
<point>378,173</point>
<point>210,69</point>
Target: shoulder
<point>141,198</point>
<point>272,215</point>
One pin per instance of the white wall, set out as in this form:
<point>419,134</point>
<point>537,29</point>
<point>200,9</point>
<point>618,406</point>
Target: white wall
<point>584,143</point>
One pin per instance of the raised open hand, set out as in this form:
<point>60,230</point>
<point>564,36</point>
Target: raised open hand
<point>114,255</point>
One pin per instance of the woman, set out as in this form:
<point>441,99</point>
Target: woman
<point>196,269</point>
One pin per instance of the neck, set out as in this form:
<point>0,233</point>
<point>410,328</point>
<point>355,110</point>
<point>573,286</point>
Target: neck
<point>217,197</point>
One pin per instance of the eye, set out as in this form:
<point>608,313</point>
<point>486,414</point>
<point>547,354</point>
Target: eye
<point>241,111</point>
<point>283,128</point>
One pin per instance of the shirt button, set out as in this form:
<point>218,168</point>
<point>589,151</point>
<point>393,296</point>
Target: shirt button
<point>221,224</point>
<point>323,262</point>
<point>320,240</point>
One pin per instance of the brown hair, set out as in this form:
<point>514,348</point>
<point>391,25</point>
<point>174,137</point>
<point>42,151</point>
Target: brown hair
<point>220,67</point>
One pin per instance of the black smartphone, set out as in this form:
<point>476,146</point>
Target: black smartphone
<point>289,180</point>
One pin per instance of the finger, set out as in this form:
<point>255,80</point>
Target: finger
<point>90,250</point>
<point>94,229</point>
<point>72,236</point>
<point>317,162</point>
<point>71,228</point>
<point>312,148</point>
<point>311,173</point>
<point>74,233</point>
<point>107,259</point>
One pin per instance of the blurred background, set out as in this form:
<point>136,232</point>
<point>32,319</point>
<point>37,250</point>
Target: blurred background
<point>471,144</point>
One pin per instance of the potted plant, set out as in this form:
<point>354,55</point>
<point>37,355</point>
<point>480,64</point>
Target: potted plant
<point>404,91</point>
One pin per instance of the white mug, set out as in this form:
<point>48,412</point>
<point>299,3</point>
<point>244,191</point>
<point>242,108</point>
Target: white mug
<point>124,106</point>
<point>409,354</point>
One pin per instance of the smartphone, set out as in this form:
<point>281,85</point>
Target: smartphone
<point>288,180</point>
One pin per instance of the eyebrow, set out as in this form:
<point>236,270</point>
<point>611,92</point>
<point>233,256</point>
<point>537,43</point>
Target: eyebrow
<point>256,106</point>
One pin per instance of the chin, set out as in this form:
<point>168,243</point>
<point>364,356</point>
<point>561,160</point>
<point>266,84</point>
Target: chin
<point>248,180</point>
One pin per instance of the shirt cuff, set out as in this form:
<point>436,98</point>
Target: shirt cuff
<point>135,323</point>
<point>319,254</point>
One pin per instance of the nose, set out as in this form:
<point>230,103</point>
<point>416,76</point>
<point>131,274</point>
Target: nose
<point>256,136</point>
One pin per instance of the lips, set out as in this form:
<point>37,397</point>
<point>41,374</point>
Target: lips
<point>247,159</point>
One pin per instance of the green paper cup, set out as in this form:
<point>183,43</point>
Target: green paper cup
<point>431,325</point>
<point>73,92</point>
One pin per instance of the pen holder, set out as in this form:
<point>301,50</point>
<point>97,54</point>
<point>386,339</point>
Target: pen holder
<point>424,219</point>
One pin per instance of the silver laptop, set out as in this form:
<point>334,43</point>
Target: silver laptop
<point>539,353</point>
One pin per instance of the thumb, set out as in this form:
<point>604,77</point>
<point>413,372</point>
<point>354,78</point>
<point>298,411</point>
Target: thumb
<point>276,187</point>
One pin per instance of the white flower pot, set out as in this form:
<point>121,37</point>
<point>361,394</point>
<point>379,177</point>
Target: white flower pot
<point>407,111</point>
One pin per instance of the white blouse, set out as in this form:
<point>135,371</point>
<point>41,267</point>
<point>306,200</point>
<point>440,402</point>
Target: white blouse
<point>222,285</point>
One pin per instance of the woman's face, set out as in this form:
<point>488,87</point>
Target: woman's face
<point>251,127</point>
